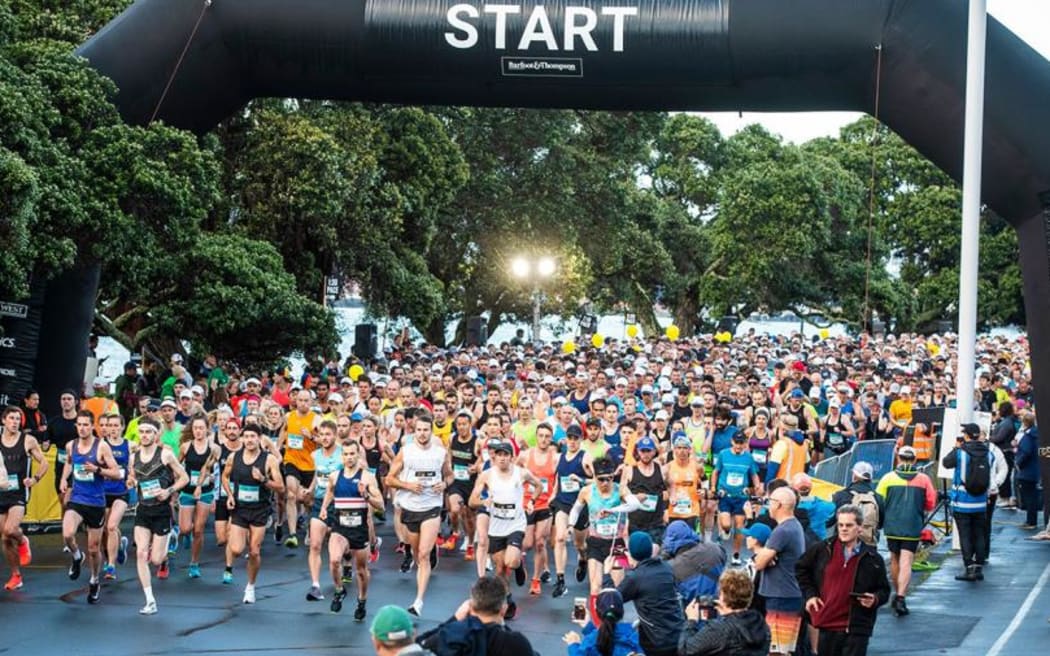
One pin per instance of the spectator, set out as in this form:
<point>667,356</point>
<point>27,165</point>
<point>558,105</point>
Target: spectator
<point>909,496</point>
<point>1002,436</point>
<point>844,582</point>
<point>755,537</point>
<point>393,633</point>
<point>696,564</point>
<point>776,560</point>
<point>126,396</point>
<point>478,625</point>
<point>651,586</point>
<point>613,637</point>
<point>861,493</point>
<point>819,511</point>
<point>971,481</point>
<point>1028,470</point>
<point>738,631</point>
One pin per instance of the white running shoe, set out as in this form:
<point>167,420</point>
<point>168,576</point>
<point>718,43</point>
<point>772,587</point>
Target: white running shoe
<point>249,595</point>
<point>149,609</point>
<point>416,608</point>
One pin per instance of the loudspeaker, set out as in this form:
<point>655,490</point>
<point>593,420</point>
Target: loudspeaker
<point>366,341</point>
<point>477,331</point>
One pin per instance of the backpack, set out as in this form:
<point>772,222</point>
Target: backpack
<point>869,508</point>
<point>977,474</point>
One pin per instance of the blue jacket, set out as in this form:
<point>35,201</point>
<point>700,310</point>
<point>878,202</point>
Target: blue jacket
<point>820,512</point>
<point>696,565</point>
<point>626,641</point>
<point>1027,459</point>
<point>962,501</point>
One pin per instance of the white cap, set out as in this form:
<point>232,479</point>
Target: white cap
<point>647,389</point>
<point>549,380</point>
<point>101,382</point>
<point>176,357</point>
<point>253,381</point>
<point>346,380</point>
<point>335,397</point>
<point>621,381</point>
<point>582,375</point>
<point>661,414</point>
<point>185,394</point>
<point>905,389</point>
<point>197,389</point>
<point>814,392</point>
<point>667,399</point>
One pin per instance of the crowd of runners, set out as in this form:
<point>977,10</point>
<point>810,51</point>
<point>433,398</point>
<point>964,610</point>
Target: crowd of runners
<point>539,464</point>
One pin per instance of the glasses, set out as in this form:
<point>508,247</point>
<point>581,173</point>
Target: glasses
<point>604,479</point>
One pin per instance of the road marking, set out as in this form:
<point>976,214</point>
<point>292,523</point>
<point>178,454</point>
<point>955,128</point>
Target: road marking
<point>1021,613</point>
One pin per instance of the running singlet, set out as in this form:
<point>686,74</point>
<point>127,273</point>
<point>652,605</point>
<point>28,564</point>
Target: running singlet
<point>735,471</point>
<point>569,487</point>
<point>463,456</point>
<point>247,491</point>
<point>507,510</point>
<point>684,500</point>
<point>325,465</point>
<point>152,476</point>
<point>194,463</point>
<point>298,447</point>
<point>224,455</point>
<point>760,448</point>
<point>546,474</point>
<point>88,489</point>
<point>351,509</point>
<point>422,466</point>
<point>611,526</point>
<point>651,490</point>
<point>16,463</point>
<point>596,449</point>
<point>121,453</point>
<point>373,455</point>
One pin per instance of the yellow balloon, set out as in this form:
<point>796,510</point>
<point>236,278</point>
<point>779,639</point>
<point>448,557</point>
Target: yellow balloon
<point>597,341</point>
<point>356,371</point>
<point>637,348</point>
<point>672,332</point>
<point>568,347</point>
<point>632,331</point>
<point>824,333</point>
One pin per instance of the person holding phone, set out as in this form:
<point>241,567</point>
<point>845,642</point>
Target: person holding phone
<point>844,582</point>
<point>739,629</point>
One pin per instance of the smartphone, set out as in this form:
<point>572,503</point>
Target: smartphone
<point>579,609</point>
<point>858,595</point>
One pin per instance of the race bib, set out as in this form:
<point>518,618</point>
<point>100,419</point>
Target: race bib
<point>12,482</point>
<point>683,506</point>
<point>194,477</point>
<point>150,489</point>
<point>427,478</point>
<point>460,473</point>
<point>248,493</point>
<point>322,482</point>
<point>81,474</point>
<point>569,484</point>
<point>835,439</point>
<point>123,474</point>
<point>295,441</point>
<point>544,486</point>
<point>349,519</point>
<point>504,510</point>
<point>605,530</point>
<point>649,504</point>
<point>734,479</point>
<point>60,457</point>
<point>372,470</point>
<point>759,457</point>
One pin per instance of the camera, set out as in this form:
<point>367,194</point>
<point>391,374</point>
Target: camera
<point>705,602</point>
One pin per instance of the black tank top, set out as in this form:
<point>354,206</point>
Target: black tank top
<point>247,491</point>
<point>652,513</point>
<point>153,476</point>
<point>373,454</point>
<point>194,463</point>
<point>16,462</point>
<point>224,455</point>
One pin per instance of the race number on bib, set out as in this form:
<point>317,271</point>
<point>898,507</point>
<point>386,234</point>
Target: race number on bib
<point>248,493</point>
<point>569,484</point>
<point>504,510</point>
<point>759,457</point>
<point>649,504</point>
<point>60,457</point>
<point>349,519</point>
<point>150,489</point>
<point>322,482</point>
<point>194,477</point>
<point>427,477</point>
<point>81,474</point>
<point>683,506</point>
<point>605,530</point>
<point>295,441</point>
<point>460,472</point>
<point>734,479</point>
<point>12,482</point>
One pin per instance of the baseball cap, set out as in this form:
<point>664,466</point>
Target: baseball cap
<point>906,453</point>
<point>646,444</point>
<point>176,357</point>
<point>503,446</point>
<point>345,380</point>
<point>168,403</point>
<point>667,399</point>
<point>834,402</point>
<point>973,430</point>
<point>661,414</point>
<point>391,624</point>
<point>130,364</point>
<point>582,376</point>
<point>797,393</point>
<point>798,365</point>
<point>739,437</point>
<point>101,382</point>
<point>197,389</point>
<point>574,431</point>
<point>185,394</point>
<point>253,381</point>
<point>759,531</point>
<point>335,397</point>
<point>863,470</point>
<point>905,389</point>
<point>697,402</point>
<point>814,392</point>
<point>154,405</point>
<point>647,389</point>
<point>681,439</point>
<point>609,604</point>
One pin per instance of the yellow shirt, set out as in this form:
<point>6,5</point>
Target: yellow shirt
<point>444,432</point>
<point>298,449</point>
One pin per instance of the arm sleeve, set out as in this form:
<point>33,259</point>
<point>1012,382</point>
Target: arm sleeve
<point>630,504</point>
<point>574,514</point>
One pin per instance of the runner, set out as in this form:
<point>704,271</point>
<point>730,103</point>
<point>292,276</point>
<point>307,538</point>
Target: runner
<point>61,431</point>
<point>349,493</point>
<point>542,462</point>
<point>684,477</point>
<point>574,469</point>
<point>198,454</point>
<point>298,446</point>
<point>117,497</point>
<point>420,473</point>
<point>734,475</point>
<point>328,458</point>
<point>251,475</point>
<point>90,461</point>
<point>465,452</point>
<point>645,481</point>
<point>156,473</point>
<point>18,449</point>
<point>505,483</point>
<point>229,443</point>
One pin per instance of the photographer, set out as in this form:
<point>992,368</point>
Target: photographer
<point>738,631</point>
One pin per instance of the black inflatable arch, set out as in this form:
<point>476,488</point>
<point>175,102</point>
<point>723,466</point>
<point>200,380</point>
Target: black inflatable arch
<point>753,55</point>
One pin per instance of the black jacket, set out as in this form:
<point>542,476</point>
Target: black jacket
<point>738,634</point>
<point>651,587</point>
<point>870,577</point>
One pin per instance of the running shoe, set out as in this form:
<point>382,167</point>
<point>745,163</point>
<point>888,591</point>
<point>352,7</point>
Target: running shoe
<point>94,591</point>
<point>434,558</point>
<point>581,571</point>
<point>278,533</point>
<point>469,554</point>
<point>520,575</point>
<point>122,552</point>
<point>74,567</point>
<point>337,600</point>
<point>406,562</point>
<point>25,552</point>
<point>416,608</point>
<point>545,577</point>
<point>899,607</point>
<point>512,610</point>
<point>360,611</point>
<point>227,577</point>
<point>348,574</point>
<point>249,595</point>
<point>315,594</point>
<point>452,542</point>
<point>194,571</point>
<point>375,550</point>
<point>400,548</point>
<point>163,571</point>
<point>149,609</point>
<point>13,583</point>
<point>736,562</point>
<point>559,588</point>
<point>292,542</point>
<point>534,588</point>
<point>173,541</point>
<point>109,572</point>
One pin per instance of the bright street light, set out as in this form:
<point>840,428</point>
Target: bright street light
<point>545,267</point>
<point>520,267</point>
<point>535,272</point>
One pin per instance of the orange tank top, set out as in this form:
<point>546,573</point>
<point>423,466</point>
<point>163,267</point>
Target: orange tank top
<point>298,448</point>
<point>683,499</point>
<point>547,473</point>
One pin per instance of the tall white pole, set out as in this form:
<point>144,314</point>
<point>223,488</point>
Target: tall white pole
<point>971,209</point>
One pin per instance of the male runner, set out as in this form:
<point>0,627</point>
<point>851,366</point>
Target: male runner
<point>349,493</point>
<point>17,448</point>
<point>645,481</point>
<point>465,452</point>
<point>574,468</point>
<point>157,473</point>
<point>62,431</point>
<point>116,494</point>
<point>198,454</point>
<point>298,446</point>
<point>684,476</point>
<point>249,478</point>
<point>542,462</point>
<point>328,458</point>
<point>90,459</point>
<point>735,471</point>
<point>420,473</point>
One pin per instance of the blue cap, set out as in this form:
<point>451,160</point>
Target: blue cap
<point>759,531</point>
<point>646,444</point>
<point>357,416</point>
<point>681,439</point>
<point>797,393</point>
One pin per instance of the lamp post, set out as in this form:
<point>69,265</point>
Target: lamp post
<point>535,272</point>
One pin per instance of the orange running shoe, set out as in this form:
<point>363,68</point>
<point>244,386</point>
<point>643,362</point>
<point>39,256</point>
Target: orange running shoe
<point>534,589</point>
<point>469,555</point>
<point>13,583</point>
<point>25,553</point>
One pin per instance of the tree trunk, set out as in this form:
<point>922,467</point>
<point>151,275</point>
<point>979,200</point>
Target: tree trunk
<point>434,332</point>
<point>685,311</point>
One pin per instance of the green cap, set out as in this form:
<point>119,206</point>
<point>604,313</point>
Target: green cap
<point>392,623</point>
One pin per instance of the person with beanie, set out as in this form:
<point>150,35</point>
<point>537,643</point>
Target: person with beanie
<point>650,584</point>
<point>613,637</point>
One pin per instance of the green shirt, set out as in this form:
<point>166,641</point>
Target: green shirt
<point>172,437</point>
<point>525,433</point>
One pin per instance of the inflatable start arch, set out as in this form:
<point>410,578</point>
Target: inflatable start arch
<point>754,55</point>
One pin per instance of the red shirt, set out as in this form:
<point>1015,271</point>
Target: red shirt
<point>838,583</point>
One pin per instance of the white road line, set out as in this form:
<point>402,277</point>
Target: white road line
<point>1022,612</point>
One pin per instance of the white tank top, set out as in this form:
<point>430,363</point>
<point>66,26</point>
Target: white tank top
<point>422,466</point>
<point>507,513</point>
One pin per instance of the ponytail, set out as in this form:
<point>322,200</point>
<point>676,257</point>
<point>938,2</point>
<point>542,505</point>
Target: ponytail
<point>606,640</point>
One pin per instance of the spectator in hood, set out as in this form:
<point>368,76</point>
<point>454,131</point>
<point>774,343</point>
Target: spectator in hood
<point>696,564</point>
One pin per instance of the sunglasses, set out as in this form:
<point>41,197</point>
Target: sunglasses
<point>604,479</point>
